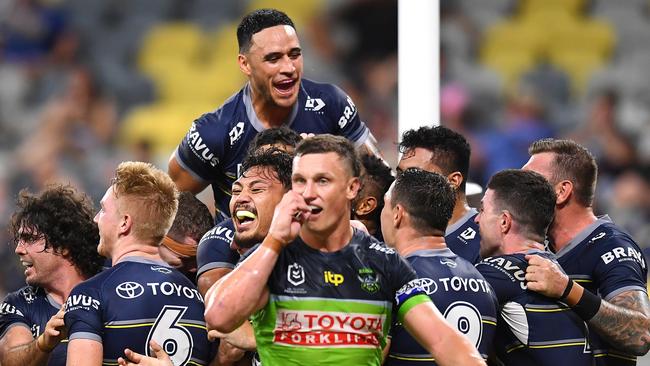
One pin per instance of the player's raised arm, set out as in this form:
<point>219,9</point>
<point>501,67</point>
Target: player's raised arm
<point>18,348</point>
<point>242,292</point>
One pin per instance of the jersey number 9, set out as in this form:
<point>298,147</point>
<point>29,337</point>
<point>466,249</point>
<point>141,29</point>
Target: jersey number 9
<point>466,319</point>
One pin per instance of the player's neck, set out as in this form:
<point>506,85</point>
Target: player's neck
<point>329,241</point>
<point>63,282</point>
<point>132,248</point>
<point>519,244</point>
<point>410,241</point>
<point>569,221</point>
<point>461,208</point>
<point>269,114</point>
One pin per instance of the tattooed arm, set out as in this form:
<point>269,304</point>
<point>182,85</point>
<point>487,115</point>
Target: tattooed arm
<point>624,321</point>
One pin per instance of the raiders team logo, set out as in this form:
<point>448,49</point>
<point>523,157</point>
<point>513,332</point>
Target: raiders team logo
<point>369,280</point>
<point>295,274</point>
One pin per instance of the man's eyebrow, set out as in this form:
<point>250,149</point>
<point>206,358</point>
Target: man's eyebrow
<point>272,55</point>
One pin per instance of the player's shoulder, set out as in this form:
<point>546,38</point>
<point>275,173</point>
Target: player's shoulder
<point>363,242</point>
<point>21,298</point>
<point>512,266</point>
<point>222,232</point>
<point>225,116</point>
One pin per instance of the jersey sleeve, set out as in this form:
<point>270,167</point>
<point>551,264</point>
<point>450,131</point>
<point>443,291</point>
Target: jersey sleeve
<point>214,249</point>
<point>13,312</point>
<point>202,148</point>
<point>83,313</point>
<point>620,267</point>
<point>408,291</point>
<point>346,116</point>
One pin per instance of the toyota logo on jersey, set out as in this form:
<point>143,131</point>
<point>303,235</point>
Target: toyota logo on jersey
<point>129,290</point>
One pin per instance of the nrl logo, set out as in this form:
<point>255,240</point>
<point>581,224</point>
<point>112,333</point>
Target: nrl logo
<point>295,274</point>
<point>369,280</point>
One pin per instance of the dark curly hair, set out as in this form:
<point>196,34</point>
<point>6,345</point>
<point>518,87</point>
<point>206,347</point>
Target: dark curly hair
<point>376,178</point>
<point>451,151</point>
<point>64,218</point>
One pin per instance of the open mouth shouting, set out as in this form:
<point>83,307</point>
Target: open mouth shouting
<point>245,218</point>
<point>285,87</point>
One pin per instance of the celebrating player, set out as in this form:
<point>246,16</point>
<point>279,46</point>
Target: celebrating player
<point>276,94</point>
<point>418,207</point>
<point>606,282</point>
<point>321,290</point>
<point>532,329</point>
<point>141,298</point>
<point>443,151</point>
<point>56,240</point>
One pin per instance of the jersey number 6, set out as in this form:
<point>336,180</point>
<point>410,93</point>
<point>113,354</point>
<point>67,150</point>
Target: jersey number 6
<point>174,339</point>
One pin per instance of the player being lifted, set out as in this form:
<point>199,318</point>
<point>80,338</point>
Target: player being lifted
<point>141,298</point>
<point>276,94</point>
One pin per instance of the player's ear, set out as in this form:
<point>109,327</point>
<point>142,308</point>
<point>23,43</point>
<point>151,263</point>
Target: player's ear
<point>353,188</point>
<point>398,215</point>
<point>244,66</point>
<point>126,222</point>
<point>455,179</point>
<point>505,221</point>
<point>563,190</point>
<point>365,206</point>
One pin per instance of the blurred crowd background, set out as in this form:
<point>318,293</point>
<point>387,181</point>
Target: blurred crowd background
<point>85,84</point>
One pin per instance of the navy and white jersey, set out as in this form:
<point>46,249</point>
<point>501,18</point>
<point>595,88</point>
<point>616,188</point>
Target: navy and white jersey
<point>135,301</point>
<point>606,261</point>
<point>32,308</point>
<point>216,144</point>
<point>215,249</point>
<point>334,306</point>
<point>461,294</point>
<point>463,237</point>
<point>533,329</point>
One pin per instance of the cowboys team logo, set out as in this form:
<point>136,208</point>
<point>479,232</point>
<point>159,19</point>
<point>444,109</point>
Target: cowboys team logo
<point>28,294</point>
<point>296,274</point>
<point>129,290</point>
<point>369,280</point>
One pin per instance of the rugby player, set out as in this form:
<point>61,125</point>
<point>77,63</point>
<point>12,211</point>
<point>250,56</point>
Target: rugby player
<point>276,94</point>
<point>178,248</point>
<point>367,206</point>
<point>319,289</point>
<point>443,151</point>
<point>418,207</point>
<point>605,280</point>
<point>141,298</point>
<point>218,252</point>
<point>56,240</point>
<point>532,329</point>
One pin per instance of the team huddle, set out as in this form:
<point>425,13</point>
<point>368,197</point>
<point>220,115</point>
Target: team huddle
<point>319,254</point>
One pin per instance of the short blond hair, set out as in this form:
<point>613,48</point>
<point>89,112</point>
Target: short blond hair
<point>149,196</point>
